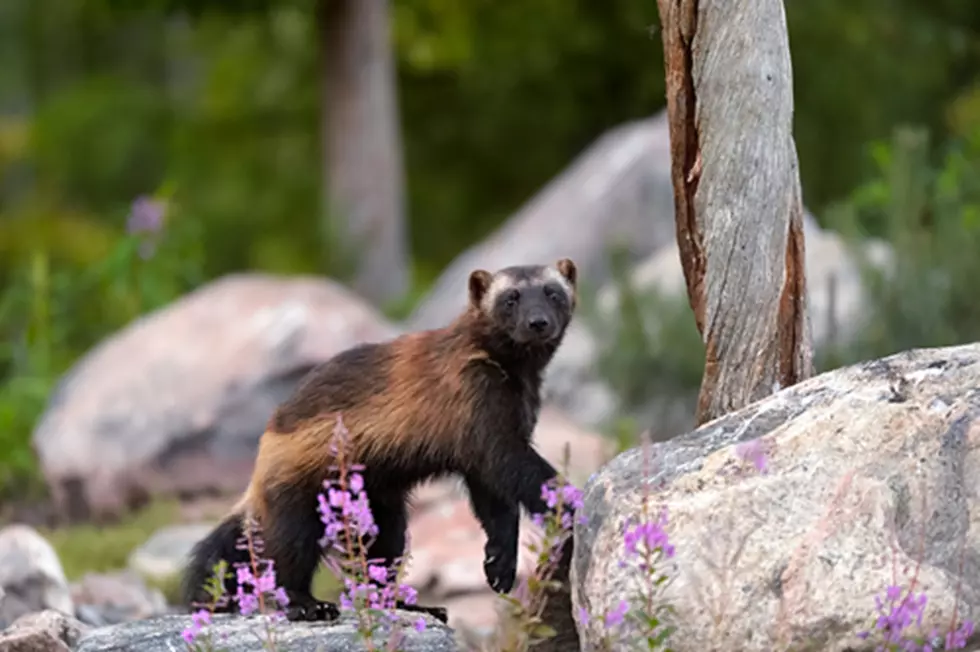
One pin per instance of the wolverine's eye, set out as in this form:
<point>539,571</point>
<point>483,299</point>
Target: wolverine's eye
<point>510,299</point>
<point>552,293</point>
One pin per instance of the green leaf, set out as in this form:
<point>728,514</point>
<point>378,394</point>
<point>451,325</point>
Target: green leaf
<point>543,631</point>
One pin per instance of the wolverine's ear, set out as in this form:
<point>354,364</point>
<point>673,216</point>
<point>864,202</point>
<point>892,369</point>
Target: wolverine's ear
<point>568,270</point>
<point>479,284</point>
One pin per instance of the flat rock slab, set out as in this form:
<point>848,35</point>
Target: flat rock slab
<point>238,634</point>
<point>870,476</point>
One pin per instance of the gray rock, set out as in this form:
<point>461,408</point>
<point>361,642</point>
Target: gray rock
<point>571,382</point>
<point>31,577</point>
<point>116,597</point>
<point>237,634</point>
<point>175,402</point>
<point>45,631</point>
<point>165,553</point>
<point>871,476</point>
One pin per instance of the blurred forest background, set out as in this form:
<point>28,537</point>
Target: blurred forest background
<point>107,108</point>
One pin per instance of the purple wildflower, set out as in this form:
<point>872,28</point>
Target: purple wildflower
<point>420,624</point>
<point>266,582</point>
<point>199,619</point>
<point>356,483</point>
<point>615,617</point>
<point>753,451</point>
<point>248,603</point>
<point>651,534</point>
<point>252,588</point>
<point>899,614</point>
<point>896,614</point>
<point>956,640</point>
<point>409,594</point>
<point>570,497</point>
<point>349,528</point>
<point>280,596</point>
<point>377,573</point>
<point>243,575</point>
<point>146,218</point>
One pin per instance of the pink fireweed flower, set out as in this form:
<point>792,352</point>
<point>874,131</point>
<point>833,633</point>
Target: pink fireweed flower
<point>753,451</point>
<point>199,619</point>
<point>651,533</point>
<point>616,616</point>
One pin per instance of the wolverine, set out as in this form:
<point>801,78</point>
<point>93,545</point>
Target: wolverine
<point>461,400</point>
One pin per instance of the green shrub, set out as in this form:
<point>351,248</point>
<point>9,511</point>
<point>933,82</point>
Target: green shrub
<point>54,308</point>
<point>932,221</point>
<point>648,346</point>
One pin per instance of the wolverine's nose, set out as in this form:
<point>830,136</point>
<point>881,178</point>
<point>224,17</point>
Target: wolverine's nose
<point>538,323</point>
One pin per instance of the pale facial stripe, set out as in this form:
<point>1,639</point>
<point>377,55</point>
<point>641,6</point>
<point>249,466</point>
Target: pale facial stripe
<point>503,281</point>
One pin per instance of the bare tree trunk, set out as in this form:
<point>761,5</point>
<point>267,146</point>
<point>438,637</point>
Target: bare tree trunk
<point>738,204</point>
<point>362,145</point>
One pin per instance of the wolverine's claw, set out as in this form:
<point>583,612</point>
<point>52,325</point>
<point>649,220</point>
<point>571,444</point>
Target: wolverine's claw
<point>501,571</point>
<point>312,611</point>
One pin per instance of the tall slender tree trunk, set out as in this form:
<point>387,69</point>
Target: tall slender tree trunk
<point>739,210</point>
<point>362,146</point>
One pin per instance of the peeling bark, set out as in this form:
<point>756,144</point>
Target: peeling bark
<point>362,146</point>
<point>679,20</point>
<point>738,203</point>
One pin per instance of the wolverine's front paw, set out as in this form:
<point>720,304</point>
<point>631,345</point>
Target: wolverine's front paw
<point>439,613</point>
<point>500,569</point>
<point>312,610</point>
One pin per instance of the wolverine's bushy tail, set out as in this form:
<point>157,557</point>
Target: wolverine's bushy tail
<point>221,543</point>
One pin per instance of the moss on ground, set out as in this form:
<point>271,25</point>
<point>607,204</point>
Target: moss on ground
<point>100,548</point>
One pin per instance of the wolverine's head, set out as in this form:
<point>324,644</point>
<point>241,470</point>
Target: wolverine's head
<point>530,303</point>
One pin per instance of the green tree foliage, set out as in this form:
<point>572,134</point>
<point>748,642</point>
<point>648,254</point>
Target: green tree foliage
<point>651,345</point>
<point>931,214</point>
<point>859,68</point>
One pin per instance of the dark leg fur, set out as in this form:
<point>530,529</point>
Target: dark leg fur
<point>501,521</point>
<point>391,517</point>
<point>519,474</point>
<point>524,472</point>
<point>220,544</point>
<point>291,537</point>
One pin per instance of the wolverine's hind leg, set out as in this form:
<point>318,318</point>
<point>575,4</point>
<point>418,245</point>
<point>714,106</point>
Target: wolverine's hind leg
<point>391,517</point>
<point>291,533</point>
